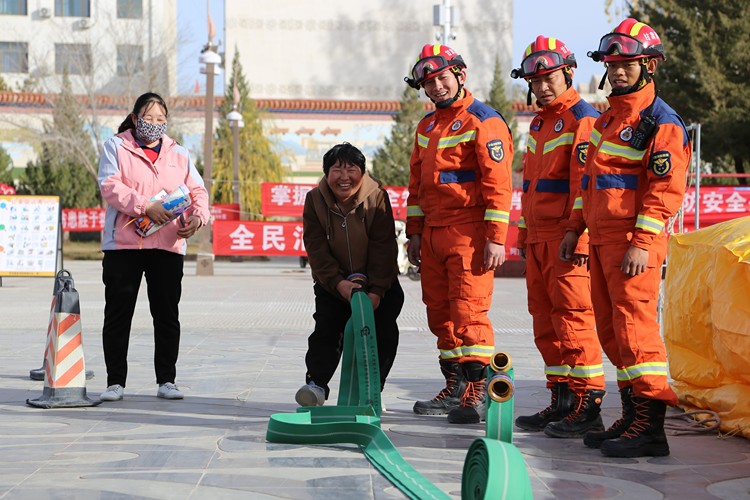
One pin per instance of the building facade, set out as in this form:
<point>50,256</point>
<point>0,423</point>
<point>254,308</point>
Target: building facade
<point>106,47</point>
<point>308,54</point>
<point>339,49</point>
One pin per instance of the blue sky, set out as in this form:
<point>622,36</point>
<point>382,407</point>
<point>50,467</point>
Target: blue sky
<point>578,23</point>
<point>192,36</point>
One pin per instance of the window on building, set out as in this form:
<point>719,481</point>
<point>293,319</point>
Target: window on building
<point>75,57</point>
<point>73,8</point>
<point>14,57</point>
<point>129,60</point>
<point>130,9</point>
<point>14,7</point>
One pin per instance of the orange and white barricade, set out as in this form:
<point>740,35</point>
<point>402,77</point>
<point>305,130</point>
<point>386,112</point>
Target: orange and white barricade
<point>64,365</point>
<point>62,277</point>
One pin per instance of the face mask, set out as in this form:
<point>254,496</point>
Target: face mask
<point>149,132</point>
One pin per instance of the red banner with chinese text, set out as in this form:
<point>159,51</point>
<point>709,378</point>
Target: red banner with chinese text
<point>229,211</point>
<point>258,238</point>
<point>83,219</point>
<point>287,200</point>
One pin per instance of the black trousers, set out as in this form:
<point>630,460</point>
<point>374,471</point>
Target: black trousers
<point>122,271</point>
<point>325,344</point>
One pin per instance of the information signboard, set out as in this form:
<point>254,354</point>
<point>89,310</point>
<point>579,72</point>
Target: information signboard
<point>29,235</point>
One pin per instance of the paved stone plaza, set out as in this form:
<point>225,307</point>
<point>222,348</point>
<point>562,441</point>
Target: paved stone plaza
<point>242,359</point>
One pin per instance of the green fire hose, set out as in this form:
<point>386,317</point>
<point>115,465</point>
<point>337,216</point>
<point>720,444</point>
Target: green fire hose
<point>492,469</point>
<point>500,388</point>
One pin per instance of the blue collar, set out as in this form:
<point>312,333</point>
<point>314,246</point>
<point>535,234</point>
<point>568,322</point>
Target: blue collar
<point>142,145</point>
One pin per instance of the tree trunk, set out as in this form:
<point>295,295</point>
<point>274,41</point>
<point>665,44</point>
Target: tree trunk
<point>739,167</point>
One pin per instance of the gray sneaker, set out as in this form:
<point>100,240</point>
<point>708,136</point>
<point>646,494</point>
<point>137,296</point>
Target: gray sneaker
<point>310,395</point>
<point>113,393</point>
<point>169,391</point>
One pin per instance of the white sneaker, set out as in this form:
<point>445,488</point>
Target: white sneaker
<point>310,395</point>
<point>169,391</point>
<point>113,393</point>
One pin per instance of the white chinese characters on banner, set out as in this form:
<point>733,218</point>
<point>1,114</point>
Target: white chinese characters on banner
<point>258,238</point>
<point>273,237</point>
<point>242,238</point>
<point>83,219</point>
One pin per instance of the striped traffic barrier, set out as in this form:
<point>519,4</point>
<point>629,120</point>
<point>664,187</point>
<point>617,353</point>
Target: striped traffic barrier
<point>63,276</point>
<point>494,470</point>
<point>64,367</point>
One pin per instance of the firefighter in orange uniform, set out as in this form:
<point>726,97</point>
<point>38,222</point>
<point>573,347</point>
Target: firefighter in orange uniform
<point>559,292</point>
<point>457,220</point>
<point>634,181</point>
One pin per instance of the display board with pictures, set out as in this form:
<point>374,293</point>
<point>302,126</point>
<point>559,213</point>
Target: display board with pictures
<point>29,235</point>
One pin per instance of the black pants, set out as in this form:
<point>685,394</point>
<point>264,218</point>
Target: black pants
<point>325,344</point>
<point>122,271</point>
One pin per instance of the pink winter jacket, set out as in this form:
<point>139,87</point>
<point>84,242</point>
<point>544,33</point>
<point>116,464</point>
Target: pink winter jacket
<point>128,180</point>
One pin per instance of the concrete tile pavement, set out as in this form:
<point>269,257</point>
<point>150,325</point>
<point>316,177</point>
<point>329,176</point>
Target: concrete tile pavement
<point>241,360</point>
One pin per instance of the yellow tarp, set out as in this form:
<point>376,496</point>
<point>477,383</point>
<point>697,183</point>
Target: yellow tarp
<point>706,320</point>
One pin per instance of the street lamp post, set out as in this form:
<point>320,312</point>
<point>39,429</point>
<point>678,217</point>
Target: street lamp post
<point>208,57</point>
<point>235,121</point>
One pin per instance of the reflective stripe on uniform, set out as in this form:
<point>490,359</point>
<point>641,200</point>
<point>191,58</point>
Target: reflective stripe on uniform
<point>587,371</point>
<point>478,350</point>
<point>450,354</point>
<point>560,371</point>
<point>531,145</point>
<point>578,204</point>
<point>649,224</point>
<point>496,216</point>
<point>414,211</point>
<point>563,140</point>
<point>595,137</point>
<point>628,373</point>
<point>626,152</point>
<point>522,223</point>
<point>484,351</point>
<point>454,140</point>
<point>422,140</point>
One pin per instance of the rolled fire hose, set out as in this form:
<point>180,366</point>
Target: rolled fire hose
<point>355,420</point>
<point>494,470</point>
<point>500,388</point>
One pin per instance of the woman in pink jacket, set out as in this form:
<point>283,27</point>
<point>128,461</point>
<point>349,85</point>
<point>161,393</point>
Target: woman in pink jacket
<point>137,166</point>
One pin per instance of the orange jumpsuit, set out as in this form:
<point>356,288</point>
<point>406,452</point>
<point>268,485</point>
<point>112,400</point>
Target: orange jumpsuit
<point>459,198</point>
<point>559,292</point>
<point>627,197</point>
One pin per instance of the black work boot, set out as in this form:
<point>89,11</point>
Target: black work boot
<point>449,397</point>
<point>560,405</point>
<point>645,437</point>
<point>595,439</point>
<point>583,418</point>
<point>472,408</point>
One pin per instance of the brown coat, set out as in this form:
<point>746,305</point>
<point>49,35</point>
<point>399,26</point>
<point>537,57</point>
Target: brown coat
<point>360,241</point>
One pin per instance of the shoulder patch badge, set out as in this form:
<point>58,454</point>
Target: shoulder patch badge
<point>661,163</point>
<point>559,125</point>
<point>581,150</point>
<point>456,125</point>
<point>626,134</point>
<point>495,148</point>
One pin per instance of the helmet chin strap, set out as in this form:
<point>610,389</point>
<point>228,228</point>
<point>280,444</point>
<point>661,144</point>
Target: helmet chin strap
<point>643,80</point>
<point>568,83</point>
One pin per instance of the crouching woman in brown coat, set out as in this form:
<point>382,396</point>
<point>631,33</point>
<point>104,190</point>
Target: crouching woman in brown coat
<point>350,240</point>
